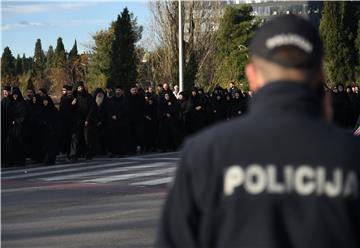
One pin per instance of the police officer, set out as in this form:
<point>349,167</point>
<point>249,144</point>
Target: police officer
<point>282,176</point>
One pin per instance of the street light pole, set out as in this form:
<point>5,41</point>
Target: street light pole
<point>181,82</point>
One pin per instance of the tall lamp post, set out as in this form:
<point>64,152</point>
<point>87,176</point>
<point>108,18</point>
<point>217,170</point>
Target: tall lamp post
<point>181,81</point>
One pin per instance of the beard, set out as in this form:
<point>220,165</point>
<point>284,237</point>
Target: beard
<point>99,99</point>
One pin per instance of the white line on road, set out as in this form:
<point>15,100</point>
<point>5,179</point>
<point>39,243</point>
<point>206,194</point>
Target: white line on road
<point>155,181</point>
<point>103,172</point>
<point>51,167</point>
<point>29,175</point>
<point>129,176</point>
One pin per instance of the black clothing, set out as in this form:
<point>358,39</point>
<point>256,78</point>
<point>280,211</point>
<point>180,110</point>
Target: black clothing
<point>15,140</point>
<point>66,115</point>
<point>267,179</point>
<point>196,118</point>
<point>118,125</point>
<point>136,104</point>
<point>168,129</point>
<point>218,108</point>
<point>96,130</point>
<point>82,109</point>
<point>49,130</point>
<point>5,103</point>
<point>237,107</point>
<point>150,125</point>
<point>32,128</point>
<point>341,106</point>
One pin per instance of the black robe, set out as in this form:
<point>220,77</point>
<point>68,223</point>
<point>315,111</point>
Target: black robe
<point>168,131</point>
<point>136,104</point>
<point>5,103</point>
<point>96,130</point>
<point>49,128</point>
<point>66,114</point>
<point>33,140</point>
<point>197,119</point>
<point>118,126</point>
<point>151,125</point>
<point>15,140</point>
<point>82,110</point>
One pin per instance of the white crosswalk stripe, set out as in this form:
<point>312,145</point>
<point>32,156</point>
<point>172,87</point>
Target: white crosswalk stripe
<point>146,170</point>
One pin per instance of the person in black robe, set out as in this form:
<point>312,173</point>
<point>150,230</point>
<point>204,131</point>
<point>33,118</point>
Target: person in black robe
<point>66,116</point>
<point>168,116</point>
<point>218,106</point>
<point>49,128</point>
<point>341,107</point>
<point>150,123</point>
<point>5,103</point>
<point>15,140</point>
<point>197,112</point>
<point>118,116</point>
<point>96,127</point>
<point>238,105</point>
<point>82,103</point>
<point>184,125</point>
<point>136,104</point>
<point>32,125</point>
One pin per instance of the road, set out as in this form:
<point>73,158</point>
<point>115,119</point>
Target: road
<point>106,202</point>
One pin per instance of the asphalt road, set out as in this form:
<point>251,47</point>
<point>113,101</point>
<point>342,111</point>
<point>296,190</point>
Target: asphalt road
<point>106,202</point>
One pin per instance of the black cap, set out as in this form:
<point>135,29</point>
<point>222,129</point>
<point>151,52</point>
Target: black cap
<point>285,33</point>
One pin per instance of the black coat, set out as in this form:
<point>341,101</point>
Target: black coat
<point>275,178</point>
<point>15,140</point>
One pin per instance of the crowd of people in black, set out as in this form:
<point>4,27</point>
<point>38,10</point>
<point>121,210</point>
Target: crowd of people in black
<point>115,123</point>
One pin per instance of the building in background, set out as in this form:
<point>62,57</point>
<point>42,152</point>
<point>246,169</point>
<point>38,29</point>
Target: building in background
<point>268,9</point>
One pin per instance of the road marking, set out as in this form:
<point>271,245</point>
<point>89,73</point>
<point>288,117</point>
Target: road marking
<point>147,159</point>
<point>103,172</point>
<point>155,181</point>
<point>42,168</point>
<point>29,175</point>
<point>129,176</point>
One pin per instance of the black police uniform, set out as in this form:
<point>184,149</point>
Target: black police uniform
<point>284,129</point>
<point>279,177</point>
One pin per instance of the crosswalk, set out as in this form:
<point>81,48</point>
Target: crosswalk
<point>145,170</point>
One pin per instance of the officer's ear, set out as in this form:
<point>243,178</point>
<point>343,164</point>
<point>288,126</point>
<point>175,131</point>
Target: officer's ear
<point>254,77</point>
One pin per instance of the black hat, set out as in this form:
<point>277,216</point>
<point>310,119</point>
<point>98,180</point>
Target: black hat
<point>285,33</point>
<point>7,87</point>
<point>80,83</point>
<point>43,90</point>
<point>67,87</point>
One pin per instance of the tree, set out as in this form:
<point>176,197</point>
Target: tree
<point>337,29</point>
<point>50,57</point>
<point>39,57</point>
<point>18,66</point>
<point>233,36</point>
<point>73,54</point>
<point>200,20</point>
<point>30,85</point>
<point>7,64</point>
<point>123,65</point>
<point>60,55</point>
<point>99,64</point>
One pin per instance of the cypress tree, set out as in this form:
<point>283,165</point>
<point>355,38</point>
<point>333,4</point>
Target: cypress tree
<point>19,66</point>
<point>39,57</point>
<point>50,57</point>
<point>24,62</point>
<point>338,40</point>
<point>7,63</point>
<point>123,65</point>
<point>60,55</point>
<point>30,85</point>
<point>73,52</point>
